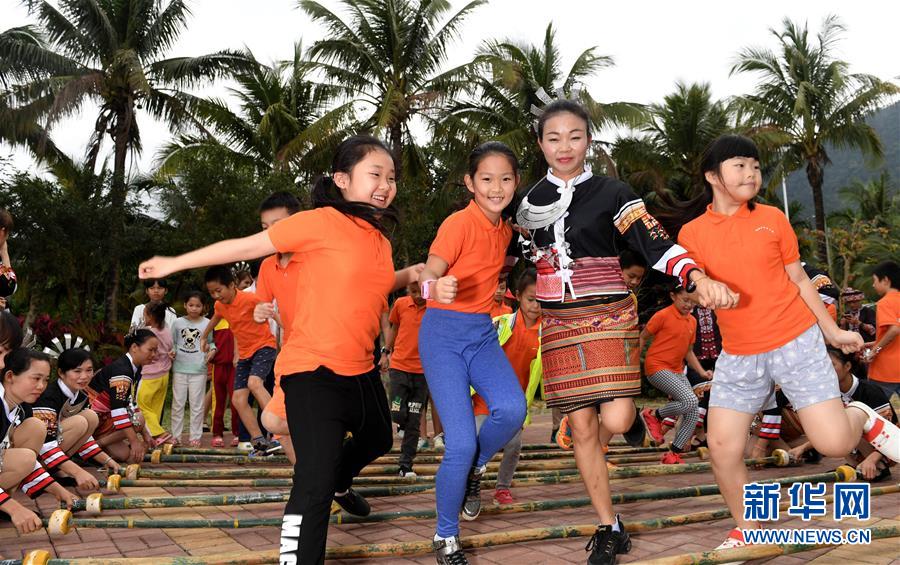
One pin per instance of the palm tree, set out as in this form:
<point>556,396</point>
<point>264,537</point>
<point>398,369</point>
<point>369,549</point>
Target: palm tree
<point>388,57</point>
<point>876,200</point>
<point>812,102</point>
<point>109,52</point>
<point>281,119</point>
<point>511,80</point>
<point>665,157</point>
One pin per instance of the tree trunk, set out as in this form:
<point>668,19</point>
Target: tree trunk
<point>117,227</point>
<point>395,134</point>
<point>816,177</point>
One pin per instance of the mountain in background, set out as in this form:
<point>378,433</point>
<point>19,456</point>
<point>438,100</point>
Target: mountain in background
<point>849,165</point>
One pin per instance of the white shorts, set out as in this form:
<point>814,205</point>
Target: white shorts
<point>801,368</point>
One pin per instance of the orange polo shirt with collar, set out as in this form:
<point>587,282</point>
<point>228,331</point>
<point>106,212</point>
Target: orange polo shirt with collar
<point>748,251</point>
<point>345,276</point>
<point>475,249</point>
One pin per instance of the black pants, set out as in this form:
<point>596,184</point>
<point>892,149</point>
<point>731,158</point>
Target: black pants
<point>321,408</point>
<point>409,393</point>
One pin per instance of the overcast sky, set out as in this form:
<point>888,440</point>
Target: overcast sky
<point>654,44</point>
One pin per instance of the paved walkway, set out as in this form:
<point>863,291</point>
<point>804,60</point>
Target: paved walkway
<point>99,543</point>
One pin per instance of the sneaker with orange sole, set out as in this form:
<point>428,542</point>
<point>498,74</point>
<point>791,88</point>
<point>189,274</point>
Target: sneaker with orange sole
<point>735,539</point>
<point>564,434</point>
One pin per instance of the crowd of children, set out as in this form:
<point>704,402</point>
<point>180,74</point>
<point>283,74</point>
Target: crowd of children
<point>738,350</point>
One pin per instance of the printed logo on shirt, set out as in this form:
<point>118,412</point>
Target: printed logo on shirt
<point>191,339</point>
<point>765,228</point>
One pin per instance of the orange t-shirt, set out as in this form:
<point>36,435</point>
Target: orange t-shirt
<point>886,365</point>
<point>748,252</point>
<point>673,336</point>
<point>475,249</point>
<point>500,309</point>
<point>521,349</point>
<point>346,272</point>
<point>407,316</point>
<point>251,336</point>
<point>278,283</point>
<point>832,309</point>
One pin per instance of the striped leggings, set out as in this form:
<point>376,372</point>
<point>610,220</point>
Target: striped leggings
<point>684,403</point>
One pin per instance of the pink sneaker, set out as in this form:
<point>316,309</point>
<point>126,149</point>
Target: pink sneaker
<point>503,496</point>
<point>218,441</point>
<point>654,426</point>
<point>235,441</point>
<point>194,443</point>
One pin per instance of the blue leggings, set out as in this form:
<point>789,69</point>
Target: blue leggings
<point>459,350</point>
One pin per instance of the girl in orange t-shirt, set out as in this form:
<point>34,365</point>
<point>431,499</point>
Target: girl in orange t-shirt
<point>673,330</point>
<point>331,385</point>
<point>458,344</point>
<point>774,336</point>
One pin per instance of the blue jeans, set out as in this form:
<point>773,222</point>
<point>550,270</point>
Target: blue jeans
<point>459,350</point>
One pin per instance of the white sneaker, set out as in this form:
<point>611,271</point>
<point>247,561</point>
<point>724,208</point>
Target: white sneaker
<point>881,433</point>
<point>423,444</point>
<point>735,539</point>
<point>439,442</point>
<point>400,433</point>
<point>408,475</point>
<point>245,446</point>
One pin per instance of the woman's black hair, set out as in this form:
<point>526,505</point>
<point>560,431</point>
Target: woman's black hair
<point>10,331</point>
<point>157,312</point>
<point>724,147</point>
<point>72,358</point>
<point>138,337</point>
<point>628,257</point>
<point>527,278</point>
<point>195,294</point>
<point>562,107</point>
<point>842,357</point>
<point>347,155</point>
<point>889,270</point>
<point>19,360</point>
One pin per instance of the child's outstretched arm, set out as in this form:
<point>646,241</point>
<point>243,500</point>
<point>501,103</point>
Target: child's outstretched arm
<point>848,342</point>
<point>439,287</point>
<point>227,251</point>
<point>408,275</point>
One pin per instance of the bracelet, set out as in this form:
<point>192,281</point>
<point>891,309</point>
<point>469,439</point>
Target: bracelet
<point>426,289</point>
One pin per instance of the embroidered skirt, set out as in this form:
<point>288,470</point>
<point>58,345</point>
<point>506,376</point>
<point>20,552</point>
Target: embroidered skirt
<point>590,352</point>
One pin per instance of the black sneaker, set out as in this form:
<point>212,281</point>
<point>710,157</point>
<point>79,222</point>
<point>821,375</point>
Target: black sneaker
<point>449,552</point>
<point>407,473</point>
<point>472,504</point>
<point>636,435</point>
<point>353,503</point>
<point>605,544</point>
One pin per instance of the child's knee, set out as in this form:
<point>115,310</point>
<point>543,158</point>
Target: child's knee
<point>691,403</point>
<point>18,462</point>
<point>461,447</point>
<point>511,412</point>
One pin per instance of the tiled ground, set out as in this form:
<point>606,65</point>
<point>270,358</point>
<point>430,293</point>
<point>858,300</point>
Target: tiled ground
<point>99,543</point>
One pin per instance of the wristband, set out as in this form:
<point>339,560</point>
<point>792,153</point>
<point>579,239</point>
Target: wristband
<point>426,289</point>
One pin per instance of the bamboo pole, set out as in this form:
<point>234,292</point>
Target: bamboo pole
<point>135,471</point>
<point>779,458</point>
<point>423,547</point>
<point>844,473</point>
